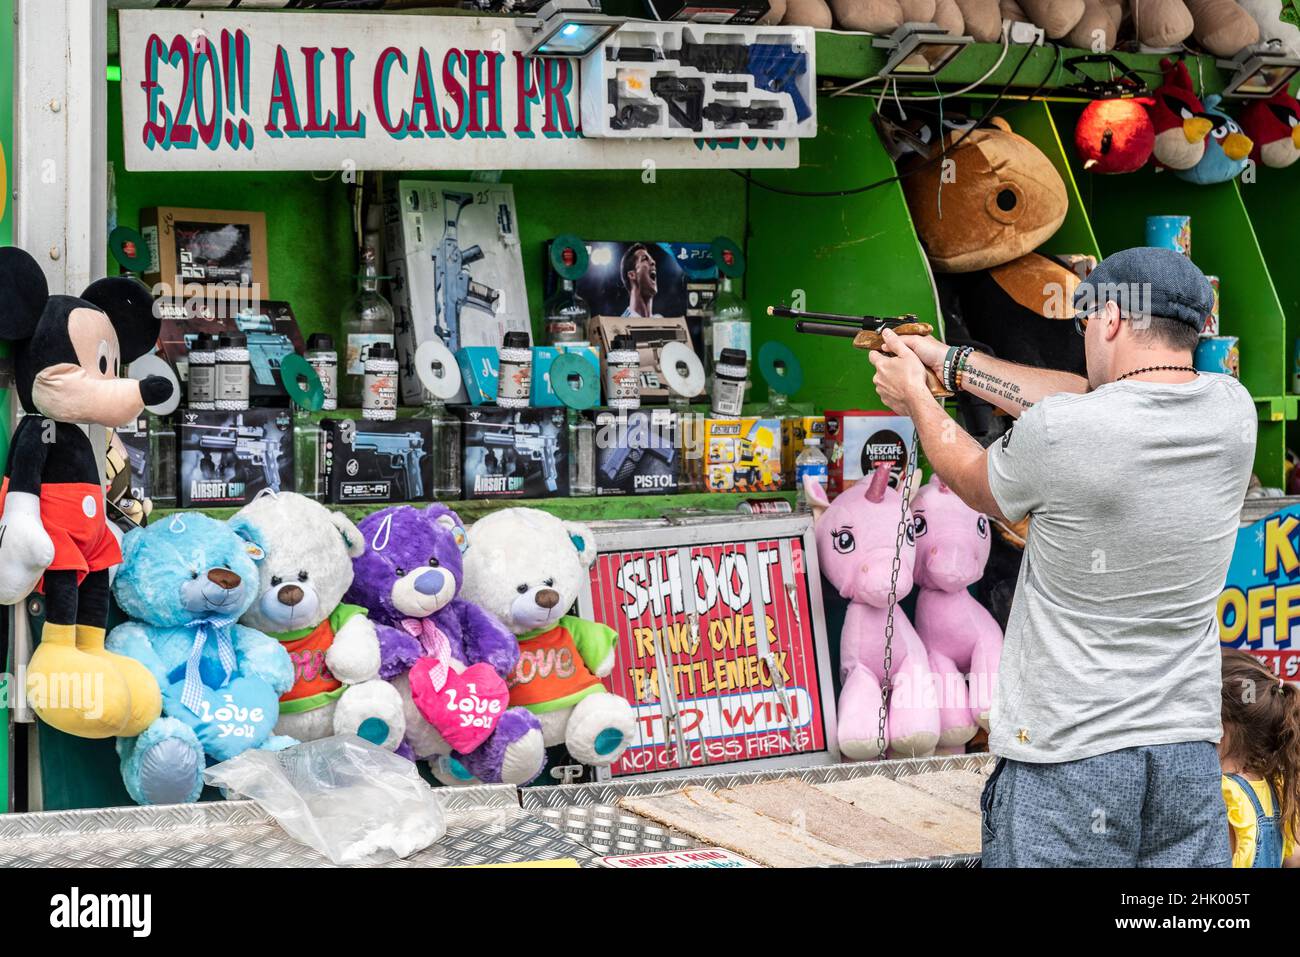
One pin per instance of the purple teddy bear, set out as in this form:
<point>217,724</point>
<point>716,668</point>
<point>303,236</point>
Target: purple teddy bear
<point>408,579</point>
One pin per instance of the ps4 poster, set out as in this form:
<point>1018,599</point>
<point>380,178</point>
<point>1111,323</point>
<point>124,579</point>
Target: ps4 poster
<point>452,252</point>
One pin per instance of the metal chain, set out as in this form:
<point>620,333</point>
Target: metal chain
<point>886,681</point>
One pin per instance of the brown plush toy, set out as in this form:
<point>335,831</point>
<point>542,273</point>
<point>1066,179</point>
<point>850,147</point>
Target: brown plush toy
<point>1011,10</point>
<point>868,16</point>
<point>917,11</point>
<point>1222,26</point>
<point>1161,24</point>
<point>775,12</point>
<point>806,13</point>
<point>981,19</point>
<point>1001,201</point>
<point>948,15</point>
<point>1055,17</point>
<point>1098,28</point>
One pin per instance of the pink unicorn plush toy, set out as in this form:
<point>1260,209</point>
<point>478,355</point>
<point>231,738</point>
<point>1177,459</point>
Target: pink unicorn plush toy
<point>855,548</point>
<point>952,545</point>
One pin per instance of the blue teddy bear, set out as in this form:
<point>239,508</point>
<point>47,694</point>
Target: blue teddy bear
<point>185,581</point>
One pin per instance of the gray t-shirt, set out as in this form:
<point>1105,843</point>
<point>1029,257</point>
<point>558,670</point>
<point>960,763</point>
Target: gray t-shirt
<point>1135,493</point>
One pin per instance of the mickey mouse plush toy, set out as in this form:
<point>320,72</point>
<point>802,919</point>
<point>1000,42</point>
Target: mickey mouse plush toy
<point>53,531</point>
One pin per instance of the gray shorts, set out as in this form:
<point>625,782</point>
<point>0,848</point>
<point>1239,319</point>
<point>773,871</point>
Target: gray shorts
<point>1157,806</point>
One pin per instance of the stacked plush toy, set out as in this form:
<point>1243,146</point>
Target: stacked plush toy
<point>184,583</point>
<point>1221,27</point>
<point>448,658</point>
<point>561,657</point>
<point>302,579</point>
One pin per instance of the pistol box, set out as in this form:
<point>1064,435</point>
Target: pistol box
<point>270,327</point>
<point>226,458</point>
<point>794,430</point>
<point>742,455</point>
<point>857,441</point>
<point>636,452</point>
<point>223,251</point>
<point>514,453</point>
<point>453,252</point>
<point>367,461</point>
<point>134,439</point>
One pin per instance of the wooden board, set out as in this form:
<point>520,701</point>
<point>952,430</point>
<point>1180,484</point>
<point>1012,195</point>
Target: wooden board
<point>954,829</point>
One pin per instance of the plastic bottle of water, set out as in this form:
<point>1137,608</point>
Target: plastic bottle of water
<point>811,462</point>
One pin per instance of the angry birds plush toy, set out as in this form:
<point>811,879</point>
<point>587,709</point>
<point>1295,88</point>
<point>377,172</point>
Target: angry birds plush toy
<point>53,531</point>
<point>1273,125</point>
<point>1227,151</point>
<point>1115,136</point>
<point>1178,117</point>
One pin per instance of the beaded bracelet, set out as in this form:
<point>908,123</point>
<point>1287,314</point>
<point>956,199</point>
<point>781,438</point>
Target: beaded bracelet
<point>959,367</point>
<point>950,368</point>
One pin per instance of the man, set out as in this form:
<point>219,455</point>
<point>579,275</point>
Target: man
<point>1106,713</point>
<point>641,277</point>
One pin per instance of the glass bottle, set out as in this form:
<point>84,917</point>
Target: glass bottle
<point>162,461</point>
<point>308,466</point>
<point>567,314</point>
<point>366,319</point>
<point>444,447</point>
<point>688,426</point>
<point>582,454</point>
<point>728,326</point>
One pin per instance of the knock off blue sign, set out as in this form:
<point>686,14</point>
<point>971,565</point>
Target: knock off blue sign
<point>1259,608</point>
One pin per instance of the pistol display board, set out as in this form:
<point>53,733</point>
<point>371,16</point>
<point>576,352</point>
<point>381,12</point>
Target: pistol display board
<point>226,458</point>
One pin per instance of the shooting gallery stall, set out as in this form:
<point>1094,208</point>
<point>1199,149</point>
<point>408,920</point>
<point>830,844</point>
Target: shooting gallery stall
<point>411,191</point>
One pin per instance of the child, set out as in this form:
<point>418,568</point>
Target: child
<point>1260,757</point>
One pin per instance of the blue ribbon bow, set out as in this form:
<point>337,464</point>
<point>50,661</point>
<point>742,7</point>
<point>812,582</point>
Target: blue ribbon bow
<point>218,628</point>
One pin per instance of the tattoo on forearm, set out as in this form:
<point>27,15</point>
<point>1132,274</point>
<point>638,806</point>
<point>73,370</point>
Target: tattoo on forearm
<point>994,385</point>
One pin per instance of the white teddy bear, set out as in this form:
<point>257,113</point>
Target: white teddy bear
<point>561,657</point>
<point>333,646</point>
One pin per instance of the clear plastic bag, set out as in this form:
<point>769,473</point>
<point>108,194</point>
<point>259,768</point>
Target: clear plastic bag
<point>352,801</point>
